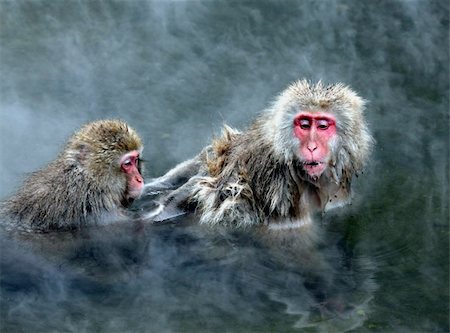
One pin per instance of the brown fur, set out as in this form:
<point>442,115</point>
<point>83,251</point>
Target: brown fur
<point>268,187</point>
<point>257,178</point>
<point>83,182</point>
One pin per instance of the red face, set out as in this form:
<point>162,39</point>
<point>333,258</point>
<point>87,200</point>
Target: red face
<point>314,130</point>
<point>129,163</point>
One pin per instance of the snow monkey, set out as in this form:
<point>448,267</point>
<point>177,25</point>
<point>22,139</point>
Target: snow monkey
<point>98,171</point>
<point>298,157</point>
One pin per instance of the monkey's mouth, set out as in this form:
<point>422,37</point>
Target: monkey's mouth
<point>313,163</point>
<point>314,168</point>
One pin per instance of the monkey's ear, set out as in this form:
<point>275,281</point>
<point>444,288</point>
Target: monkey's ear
<point>82,150</point>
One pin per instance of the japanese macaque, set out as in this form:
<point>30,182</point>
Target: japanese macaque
<point>99,171</point>
<point>298,157</point>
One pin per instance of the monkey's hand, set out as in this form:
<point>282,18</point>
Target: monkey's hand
<point>230,204</point>
<point>174,178</point>
<point>163,214</point>
<point>173,203</point>
<point>157,186</point>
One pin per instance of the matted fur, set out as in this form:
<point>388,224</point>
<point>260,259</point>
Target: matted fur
<point>256,176</point>
<point>82,183</point>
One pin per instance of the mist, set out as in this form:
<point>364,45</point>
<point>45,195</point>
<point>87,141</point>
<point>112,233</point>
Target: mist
<point>177,71</point>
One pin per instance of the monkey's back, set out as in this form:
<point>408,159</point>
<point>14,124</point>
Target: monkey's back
<point>57,197</point>
<point>247,182</point>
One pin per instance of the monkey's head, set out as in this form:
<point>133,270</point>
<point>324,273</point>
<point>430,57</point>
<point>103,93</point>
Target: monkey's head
<point>109,152</point>
<point>322,126</point>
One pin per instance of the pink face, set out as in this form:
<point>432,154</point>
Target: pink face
<point>314,130</point>
<point>129,163</point>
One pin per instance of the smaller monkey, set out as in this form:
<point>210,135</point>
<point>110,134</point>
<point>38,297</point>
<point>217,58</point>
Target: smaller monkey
<point>98,171</point>
<point>299,156</point>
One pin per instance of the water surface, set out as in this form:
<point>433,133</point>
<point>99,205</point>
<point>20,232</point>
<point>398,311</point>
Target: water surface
<point>178,70</point>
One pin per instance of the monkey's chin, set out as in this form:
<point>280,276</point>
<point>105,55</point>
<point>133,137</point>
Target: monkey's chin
<point>128,200</point>
<point>135,194</point>
<point>314,169</point>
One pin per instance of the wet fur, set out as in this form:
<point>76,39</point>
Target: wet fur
<point>84,181</point>
<point>257,178</point>
<point>249,184</point>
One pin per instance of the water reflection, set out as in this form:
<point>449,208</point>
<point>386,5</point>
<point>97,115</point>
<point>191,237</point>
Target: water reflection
<point>177,70</point>
<point>138,277</point>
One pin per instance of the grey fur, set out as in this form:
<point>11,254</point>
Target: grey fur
<point>256,177</point>
<point>84,182</point>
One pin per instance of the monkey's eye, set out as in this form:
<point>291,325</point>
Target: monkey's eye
<point>304,123</point>
<point>323,124</point>
<point>127,162</point>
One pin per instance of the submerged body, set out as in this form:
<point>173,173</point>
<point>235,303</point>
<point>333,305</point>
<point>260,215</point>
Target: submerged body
<point>98,172</point>
<point>298,157</point>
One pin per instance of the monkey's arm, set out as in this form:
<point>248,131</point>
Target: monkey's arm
<point>226,200</point>
<point>171,191</point>
<point>175,177</point>
<point>174,203</point>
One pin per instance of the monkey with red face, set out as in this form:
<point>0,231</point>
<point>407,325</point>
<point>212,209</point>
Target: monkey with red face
<point>98,172</point>
<point>298,157</point>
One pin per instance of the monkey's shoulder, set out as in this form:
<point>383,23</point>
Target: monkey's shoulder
<point>216,156</point>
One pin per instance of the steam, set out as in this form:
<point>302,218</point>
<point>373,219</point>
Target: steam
<point>177,71</point>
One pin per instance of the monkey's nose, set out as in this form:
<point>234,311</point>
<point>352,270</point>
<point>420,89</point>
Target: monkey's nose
<point>312,147</point>
<point>139,179</point>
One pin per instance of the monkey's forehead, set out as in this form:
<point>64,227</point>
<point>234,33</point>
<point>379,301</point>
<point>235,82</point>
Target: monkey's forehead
<point>113,135</point>
<point>319,96</point>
